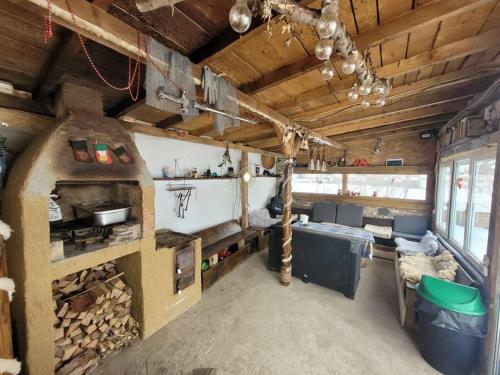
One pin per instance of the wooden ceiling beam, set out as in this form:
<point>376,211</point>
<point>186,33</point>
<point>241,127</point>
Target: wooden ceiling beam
<point>439,119</point>
<point>422,100</point>
<point>443,80</point>
<point>433,84</point>
<point>61,59</point>
<point>396,133</point>
<point>94,23</point>
<point>229,40</point>
<point>410,113</point>
<point>420,17</point>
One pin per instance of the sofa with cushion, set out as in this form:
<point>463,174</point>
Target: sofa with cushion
<point>345,214</point>
<point>324,212</point>
<point>410,227</point>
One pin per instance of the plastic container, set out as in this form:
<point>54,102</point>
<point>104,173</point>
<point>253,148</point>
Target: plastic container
<point>452,322</point>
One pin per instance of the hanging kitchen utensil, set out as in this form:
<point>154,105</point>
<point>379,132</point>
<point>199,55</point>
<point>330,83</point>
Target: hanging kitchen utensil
<point>318,161</point>
<point>226,158</point>
<point>311,160</point>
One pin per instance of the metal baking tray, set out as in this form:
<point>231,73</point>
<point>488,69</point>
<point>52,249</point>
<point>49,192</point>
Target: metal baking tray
<point>102,213</point>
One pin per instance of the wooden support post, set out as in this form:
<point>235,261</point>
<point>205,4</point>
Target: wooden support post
<point>286,251</point>
<point>6,351</point>
<point>291,142</point>
<point>244,191</point>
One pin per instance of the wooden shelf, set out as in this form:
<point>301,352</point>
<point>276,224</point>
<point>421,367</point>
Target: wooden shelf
<point>63,267</point>
<point>201,178</point>
<point>373,169</point>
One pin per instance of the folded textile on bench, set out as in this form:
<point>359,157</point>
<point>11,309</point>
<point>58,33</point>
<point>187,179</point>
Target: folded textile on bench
<point>381,232</point>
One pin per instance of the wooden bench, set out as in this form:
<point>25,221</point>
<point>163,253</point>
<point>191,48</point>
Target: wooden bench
<point>224,236</point>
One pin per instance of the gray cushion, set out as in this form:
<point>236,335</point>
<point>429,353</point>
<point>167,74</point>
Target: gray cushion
<point>411,224</point>
<point>350,215</point>
<point>324,212</point>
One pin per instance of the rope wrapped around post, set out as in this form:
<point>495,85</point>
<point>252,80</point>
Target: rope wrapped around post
<point>286,250</point>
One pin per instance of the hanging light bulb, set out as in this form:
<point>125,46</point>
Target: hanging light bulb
<point>366,86</point>
<point>324,49</point>
<point>380,102</point>
<point>240,16</point>
<point>328,22</point>
<point>353,94</point>
<point>350,63</point>
<point>378,87</point>
<point>327,70</point>
<point>365,103</point>
<point>387,87</point>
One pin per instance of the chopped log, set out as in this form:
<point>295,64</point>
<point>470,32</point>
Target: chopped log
<point>80,364</point>
<point>69,351</point>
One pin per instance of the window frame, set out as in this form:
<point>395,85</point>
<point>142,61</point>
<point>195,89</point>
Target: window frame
<point>439,229</point>
<point>473,157</point>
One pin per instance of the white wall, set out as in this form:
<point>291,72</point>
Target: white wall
<point>214,201</point>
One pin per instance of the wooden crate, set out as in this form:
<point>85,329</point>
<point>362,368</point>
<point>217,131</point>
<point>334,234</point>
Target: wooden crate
<point>218,270</point>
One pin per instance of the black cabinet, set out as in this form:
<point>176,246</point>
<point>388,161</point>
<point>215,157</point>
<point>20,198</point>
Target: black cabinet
<point>322,259</point>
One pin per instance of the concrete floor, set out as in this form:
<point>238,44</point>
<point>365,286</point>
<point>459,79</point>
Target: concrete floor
<point>247,323</point>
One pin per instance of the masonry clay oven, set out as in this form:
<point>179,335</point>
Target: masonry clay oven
<point>49,163</point>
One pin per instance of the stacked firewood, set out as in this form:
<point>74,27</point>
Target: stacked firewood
<point>92,317</point>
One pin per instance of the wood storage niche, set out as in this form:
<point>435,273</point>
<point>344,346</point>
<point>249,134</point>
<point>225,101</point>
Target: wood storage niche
<point>92,316</point>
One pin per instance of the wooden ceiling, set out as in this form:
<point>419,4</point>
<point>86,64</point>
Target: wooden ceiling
<point>438,53</point>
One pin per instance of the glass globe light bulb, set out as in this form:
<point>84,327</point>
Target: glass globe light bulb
<point>387,86</point>
<point>379,87</point>
<point>366,86</point>
<point>324,49</point>
<point>327,25</point>
<point>246,176</point>
<point>349,65</point>
<point>240,16</point>
<point>380,102</point>
<point>365,90</point>
<point>353,94</point>
<point>327,70</point>
<point>365,103</point>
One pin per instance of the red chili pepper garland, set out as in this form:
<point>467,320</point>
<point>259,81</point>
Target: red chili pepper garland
<point>47,25</point>
<point>48,33</point>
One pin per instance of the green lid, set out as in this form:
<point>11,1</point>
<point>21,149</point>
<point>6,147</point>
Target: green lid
<point>451,296</point>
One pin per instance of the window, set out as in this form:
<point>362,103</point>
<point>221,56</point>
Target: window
<point>460,201</point>
<point>443,198</point>
<point>401,186</point>
<point>317,183</point>
<point>463,202</point>
<point>482,192</point>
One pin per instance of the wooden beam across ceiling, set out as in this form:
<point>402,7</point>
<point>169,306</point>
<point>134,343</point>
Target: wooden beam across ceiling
<point>95,24</point>
<point>384,118</point>
<point>434,121</point>
<point>420,17</point>
<point>397,133</point>
<point>401,25</point>
<point>470,74</point>
<point>62,57</point>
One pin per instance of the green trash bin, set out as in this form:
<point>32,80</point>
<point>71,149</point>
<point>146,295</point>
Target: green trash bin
<point>451,321</point>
